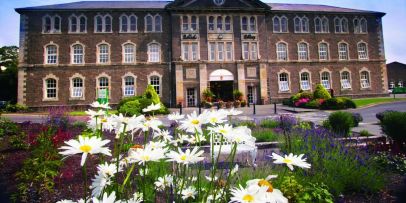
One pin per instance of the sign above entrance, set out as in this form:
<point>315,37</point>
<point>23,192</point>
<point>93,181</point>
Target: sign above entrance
<point>221,75</point>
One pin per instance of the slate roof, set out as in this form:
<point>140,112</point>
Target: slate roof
<point>94,5</point>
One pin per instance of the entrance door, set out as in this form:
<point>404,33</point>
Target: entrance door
<point>252,96</point>
<point>191,97</point>
<point>223,90</point>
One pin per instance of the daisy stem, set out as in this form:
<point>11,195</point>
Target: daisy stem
<point>126,178</point>
<point>283,176</point>
<point>183,180</point>
<point>233,152</point>
<point>84,173</point>
<point>215,164</point>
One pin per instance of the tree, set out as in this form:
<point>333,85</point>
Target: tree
<point>8,73</point>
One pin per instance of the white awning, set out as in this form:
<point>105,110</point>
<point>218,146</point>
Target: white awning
<point>221,75</point>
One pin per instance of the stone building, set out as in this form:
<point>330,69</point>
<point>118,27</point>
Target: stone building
<point>71,52</point>
<point>396,75</point>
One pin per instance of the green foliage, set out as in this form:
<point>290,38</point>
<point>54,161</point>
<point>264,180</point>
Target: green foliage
<point>357,118</point>
<point>151,94</point>
<point>265,136</point>
<point>131,108</point>
<point>79,124</point>
<point>305,125</point>
<point>338,103</point>
<point>326,124</point>
<point>394,126</point>
<point>19,141</point>
<point>127,99</point>
<point>307,95</point>
<point>38,172</point>
<point>16,108</point>
<point>321,93</point>
<point>8,128</point>
<point>314,104</point>
<point>317,192</point>
<point>269,123</point>
<point>364,133</point>
<point>249,124</point>
<point>341,123</point>
<point>291,188</point>
<point>237,95</point>
<point>208,95</point>
<point>391,163</point>
<point>8,77</point>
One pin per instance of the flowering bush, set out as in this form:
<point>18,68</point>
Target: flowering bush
<point>159,168</point>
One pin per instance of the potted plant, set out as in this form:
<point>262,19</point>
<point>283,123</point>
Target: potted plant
<point>229,104</point>
<point>208,95</point>
<point>221,103</point>
<point>243,103</point>
<point>237,95</point>
<point>237,104</point>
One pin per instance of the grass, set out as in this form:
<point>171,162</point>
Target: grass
<point>369,101</point>
<point>265,135</point>
<point>82,113</point>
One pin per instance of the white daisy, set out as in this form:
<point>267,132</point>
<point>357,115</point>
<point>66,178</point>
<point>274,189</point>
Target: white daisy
<point>152,107</point>
<point>241,134</point>
<point>96,104</point>
<point>151,123</point>
<point>234,170</point>
<point>198,138</point>
<point>215,117</point>
<point>187,157</point>
<point>85,146</point>
<point>291,160</point>
<point>175,116</point>
<point>222,129</point>
<point>163,134</point>
<point>99,182</point>
<point>94,114</point>
<point>233,112</point>
<point>251,194</point>
<point>137,198</point>
<point>193,123</point>
<point>163,182</point>
<point>189,192</point>
<point>108,170</point>
<point>215,178</point>
<point>147,154</point>
<point>107,199</point>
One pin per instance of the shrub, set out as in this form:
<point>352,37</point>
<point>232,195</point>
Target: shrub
<point>287,102</point>
<point>307,95</point>
<point>249,124</point>
<point>237,95</point>
<point>265,136</point>
<point>269,123</point>
<point>16,108</point>
<point>364,133</point>
<point>208,95</point>
<point>314,104</point>
<point>291,188</point>
<point>151,94</point>
<point>381,115</point>
<point>326,124</point>
<point>19,141</point>
<point>394,126</point>
<point>357,119</point>
<point>8,128</point>
<point>321,93</point>
<point>243,103</point>
<point>127,99</point>
<point>348,103</point>
<point>318,192</point>
<point>341,123</point>
<point>131,108</point>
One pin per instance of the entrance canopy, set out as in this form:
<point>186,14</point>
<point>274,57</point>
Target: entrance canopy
<point>221,75</point>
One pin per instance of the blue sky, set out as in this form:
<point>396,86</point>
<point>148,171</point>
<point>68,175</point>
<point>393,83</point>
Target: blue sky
<point>394,29</point>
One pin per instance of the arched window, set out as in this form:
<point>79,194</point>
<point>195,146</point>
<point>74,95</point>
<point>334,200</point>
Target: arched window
<point>77,88</point>
<point>57,24</point>
<point>364,25</point>
<point>193,24</point>
<point>325,80</point>
<point>341,25</point>
<point>303,51</point>
<point>158,23</point>
<point>244,23</point>
<point>219,23</point>
<point>321,24</point>
<point>148,23</point>
<point>103,53</point>
<point>343,51</point>
<point>83,24</point>
<point>323,51</point>
<point>51,86</point>
<point>77,54</point>
<point>345,80</point>
<point>305,81</point>
<point>284,24</point>
<point>211,23</point>
<point>124,23</point>
<point>99,23</point>
<point>357,27</point>
<point>108,23</point>
<point>154,52</point>
<point>129,86</point>
<point>344,25</point>
<point>365,79</point>
<point>51,54</point>
<point>337,25</point>
<point>47,24</point>
<point>276,24</point>
<point>283,82</point>
<point>317,25</point>
<point>128,23</point>
<point>155,82</point>
<point>103,87</point>
<point>362,51</point>
<point>305,24</point>
<point>282,51</point>
<point>129,53</point>
<point>185,23</point>
<point>228,23</point>
<point>253,24</point>
<point>73,24</point>
<point>324,25</point>
<point>133,23</point>
<point>51,24</point>
<point>298,26</point>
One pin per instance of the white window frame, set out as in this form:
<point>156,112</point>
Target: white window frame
<point>52,24</point>
<point>98,58</point>
<point>301,53</point>
<point>362,54</point>
<point>46,54</point>
<point>359,25</point>
<point>187,48</point>
<point>98,87</point>
<point>151,57</point>
<point>304,25</point>
<point>326,83</point>
<point>365,82</point>
<point>104,24</point>
<point>78,24</point>
<point>125,86</point>
<point>73,90</point>
<point>251,51</point>
<point>284,86</point>
<point>305,85</point>
<point>342,23</point>
<point>324,24</point>
<point>280,24</point>
<point>279,52</point>
<point>73,54</point>
<point>217,53</point>
<point>345,79</point>
<point>343,55</point>
<point>45,88</point>
<point>156,74</point>
<point>249,24</point>
<point>327,51</point>
<point>125,54</point>
<point>154,23</point>
<point>223,24</point>
<point>128,17</point>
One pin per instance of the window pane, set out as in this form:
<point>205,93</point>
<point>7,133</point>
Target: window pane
<point>276,24</point>
<point>362,51</point>
<point>107,24</point>
<point>219,23</point>
<point>78,54</point>
<point>304,81</point>
<point>305,24</point>
<point>212,49</point>
<point>303,51</point>
<point>124,24</point>
<point>99,24</point>
<point>185,23</point>
<point>57,24</point>
<point>77,87</point>
<point>154,53</point>
<point>82,24</point>
<point>148,23</point>
<point>325,80</point>
<point>254,51</point>
<point>228,23</point>
<point>73,24</point>
<point>253,24</point>
<point>47,25</point>
<point>104,53</point>
<point>244,23</point>
<point>211,23</point>
<point>337,23</point>
<point>129,86</point>
<point>195,51</point>
<point>155,83</point>
<point>245,48</point>
<point>194,23</point>
<point>220,51</point>
<point>185,51</point>
<point>323,51</point>
<point>158,23</point>
<point>51,88</point>
<point>229,51</point>
<point>281,52</point>
<point>129,53</point>
<point>344,23</point>
<point>343,51</point>
<point>284,24</point>
<point>133,24</point>
<point>317,25</point>
<point>298,25</point>
<point>52,54</point>
<point>365,80</point>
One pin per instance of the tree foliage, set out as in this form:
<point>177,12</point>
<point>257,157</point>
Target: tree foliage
<point>8,73</point>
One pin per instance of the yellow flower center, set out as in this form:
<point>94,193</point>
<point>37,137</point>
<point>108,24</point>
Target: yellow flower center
<point>248,198</point>
<point>223,131</point>
<point>104,120</point>
<point>145,157</point>
<point>213,120</point>
<point>195,122</point>
<point>287,161</point>
<point>266,183</point>
<point>183,157</point>
<point>85,148</point>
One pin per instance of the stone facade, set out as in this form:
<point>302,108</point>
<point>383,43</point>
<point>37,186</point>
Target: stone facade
<point>181,79</point>
<point>396,74</point>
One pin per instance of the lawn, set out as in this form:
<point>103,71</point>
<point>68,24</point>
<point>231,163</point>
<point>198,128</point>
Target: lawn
<point>82,113</point>
<point>369,101</point>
